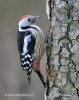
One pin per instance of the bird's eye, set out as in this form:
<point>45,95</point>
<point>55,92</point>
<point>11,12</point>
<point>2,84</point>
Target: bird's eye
<point>29,19</point>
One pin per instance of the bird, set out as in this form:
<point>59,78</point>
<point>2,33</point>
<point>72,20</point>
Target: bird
<point>31,45</point>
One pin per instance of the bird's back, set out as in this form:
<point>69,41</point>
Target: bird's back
<point>40,41</point>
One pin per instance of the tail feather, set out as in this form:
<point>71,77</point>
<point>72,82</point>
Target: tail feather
<point>41,78</point>
<point>29,78</point>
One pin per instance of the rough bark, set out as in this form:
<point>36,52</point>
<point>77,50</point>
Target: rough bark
<point>63,50</point>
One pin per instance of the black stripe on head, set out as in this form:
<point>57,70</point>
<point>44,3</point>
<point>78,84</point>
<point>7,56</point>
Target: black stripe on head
<point>27,27</point>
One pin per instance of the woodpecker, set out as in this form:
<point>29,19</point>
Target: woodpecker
<point>31,45</point>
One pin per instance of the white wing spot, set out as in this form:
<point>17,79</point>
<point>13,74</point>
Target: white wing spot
<point>27,56</point>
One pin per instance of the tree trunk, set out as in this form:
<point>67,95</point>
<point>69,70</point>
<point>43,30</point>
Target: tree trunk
<point>63,50</point>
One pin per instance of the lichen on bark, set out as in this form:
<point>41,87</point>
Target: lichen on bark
<point>63,50</point>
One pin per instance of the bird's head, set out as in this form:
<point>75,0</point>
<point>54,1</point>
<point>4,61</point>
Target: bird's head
<point>27,20</point>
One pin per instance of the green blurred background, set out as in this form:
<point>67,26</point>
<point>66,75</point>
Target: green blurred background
<point>12,78</point>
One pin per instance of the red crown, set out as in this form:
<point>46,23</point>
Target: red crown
<point>23,17</point>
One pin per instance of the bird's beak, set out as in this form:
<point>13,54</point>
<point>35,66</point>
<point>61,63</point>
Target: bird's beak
<point>38,17</point>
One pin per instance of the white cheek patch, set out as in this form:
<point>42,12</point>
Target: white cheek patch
<point>26,40</point>
<point>24,22</point>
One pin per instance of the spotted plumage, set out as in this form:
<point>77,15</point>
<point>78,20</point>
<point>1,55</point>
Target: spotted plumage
<point>26,48</point>
<point>31,45</point>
